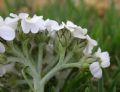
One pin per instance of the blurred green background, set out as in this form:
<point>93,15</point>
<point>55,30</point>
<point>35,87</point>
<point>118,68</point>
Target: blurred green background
<point>100,17</point>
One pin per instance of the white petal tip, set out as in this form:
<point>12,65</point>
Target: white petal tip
<point>7,33</point>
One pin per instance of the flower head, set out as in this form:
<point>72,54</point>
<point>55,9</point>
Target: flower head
<point>35,24</point>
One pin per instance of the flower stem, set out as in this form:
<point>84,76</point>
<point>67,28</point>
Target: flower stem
<point>57,68</point>
<point>38,87</point>
<point>40,56</point>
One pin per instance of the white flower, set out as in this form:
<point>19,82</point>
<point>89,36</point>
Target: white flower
<point>34,24</point>
<point>52,26</point>
<point>6,68</point>
<point>95,67</point>
<point>90,44</point>
<point>77,31</point>
<point>104,57</point>
<point>2,48</point>
<point>7,28</point>
<point>95,70</point>
<point>7,33</point>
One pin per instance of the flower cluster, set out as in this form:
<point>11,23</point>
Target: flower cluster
<point>37,24</point>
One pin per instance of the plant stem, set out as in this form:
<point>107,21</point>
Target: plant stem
<point>38,87</point>
<point>49,75</point>
<point>40,56</point>
<point>57,68</point>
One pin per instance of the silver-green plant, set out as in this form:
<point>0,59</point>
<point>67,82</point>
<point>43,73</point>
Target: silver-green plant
<point>44,48</point>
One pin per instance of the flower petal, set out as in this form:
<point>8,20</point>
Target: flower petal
<point>88,49</point>
<point>97,54</point>
<point>13,15</point>
<point>70,25</point>
<point>96,70</point>
<point>34,28</point>
<point>35,19</point>
<point>2,48</point>
<point>77,31</point>
<point>25,26</point>
<point>91,41</point>
<point>105,58</point>
<point>90,45</point>
<point>33,24</point>
<point>52,25</point>
<point>49,23</point>
<point>23,15</point>
<point>12,22</point>
<point>1,21</point>
<point>41,24</point>
<point>7,33</point>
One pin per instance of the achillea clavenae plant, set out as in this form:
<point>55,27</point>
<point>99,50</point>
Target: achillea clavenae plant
<point>45,47</point>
